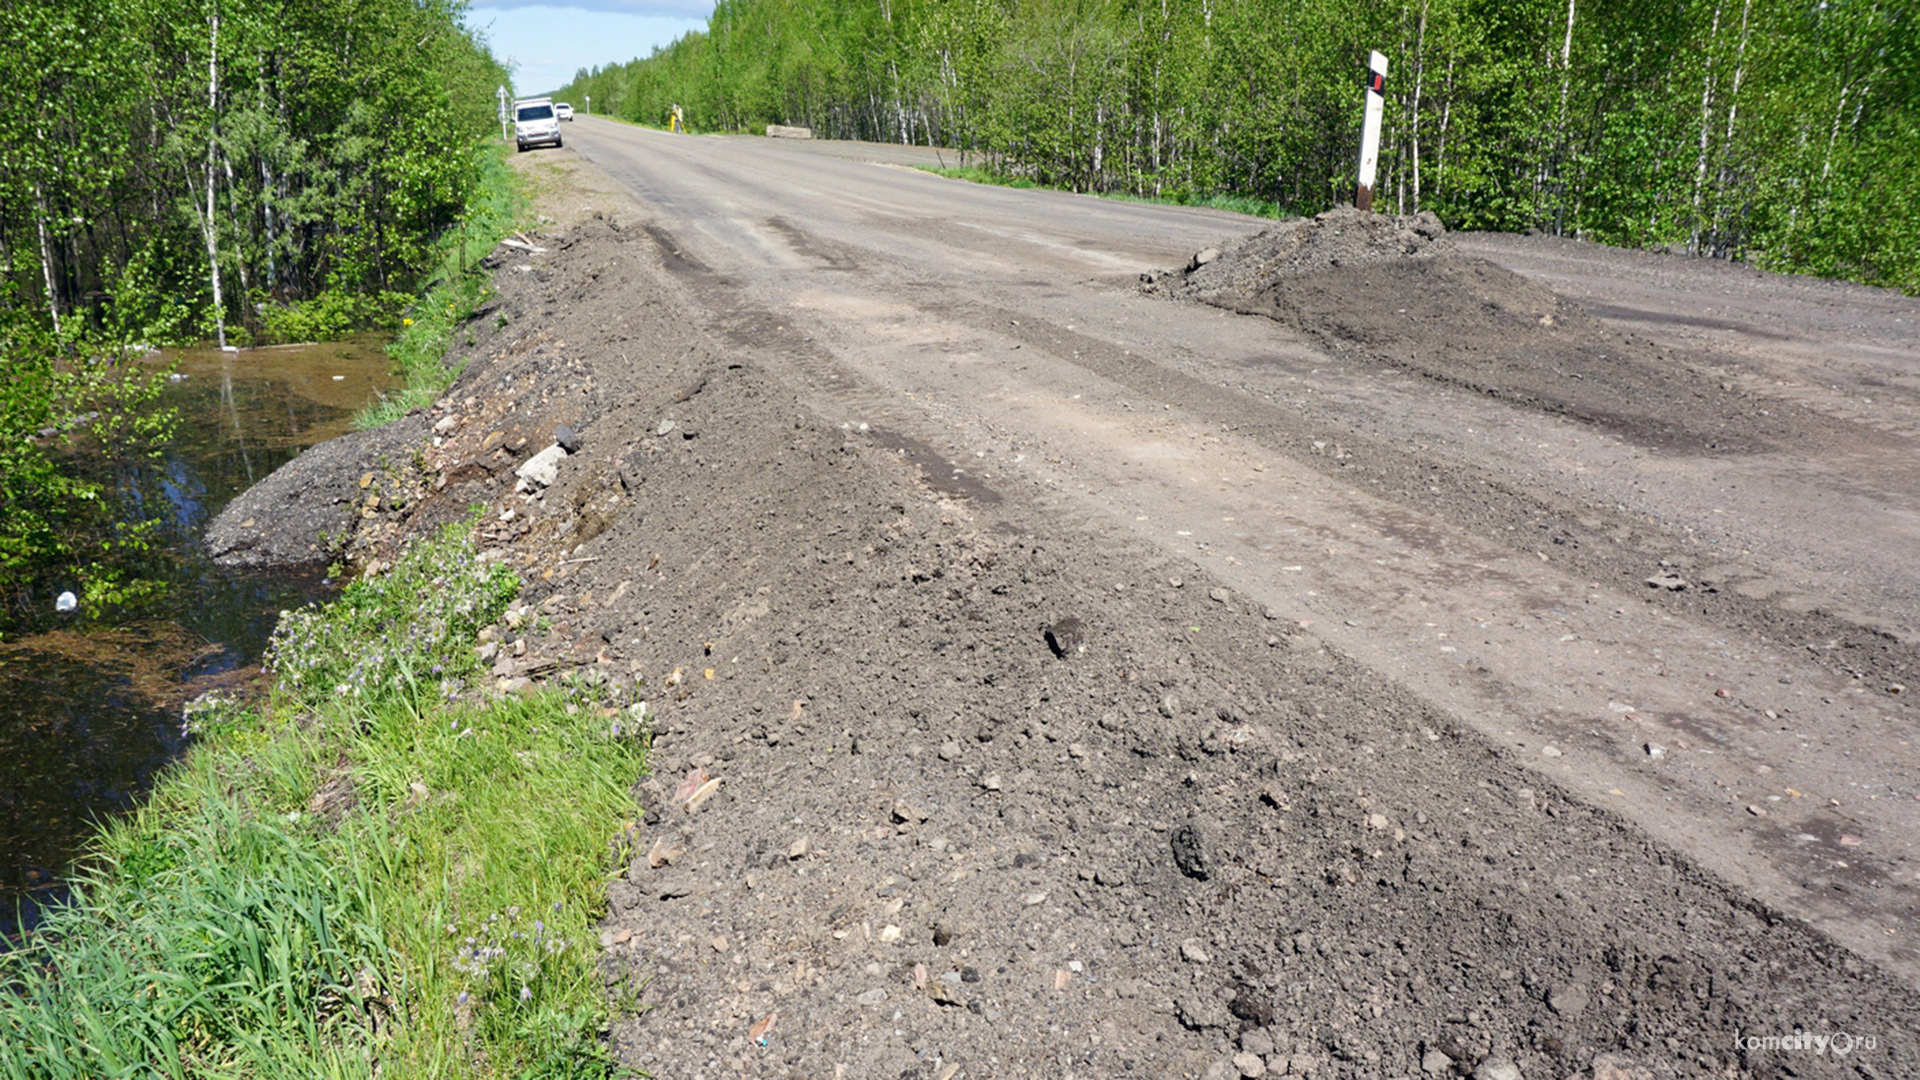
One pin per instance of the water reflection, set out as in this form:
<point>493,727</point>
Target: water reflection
<point>88,717</point>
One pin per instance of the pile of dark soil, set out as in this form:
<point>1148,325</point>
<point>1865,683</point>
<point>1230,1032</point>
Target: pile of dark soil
<point>1341,237</point>
<point>1389,290</point>
<point>998,796</point>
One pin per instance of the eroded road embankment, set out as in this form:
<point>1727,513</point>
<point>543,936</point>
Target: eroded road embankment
<point>1103,685</point>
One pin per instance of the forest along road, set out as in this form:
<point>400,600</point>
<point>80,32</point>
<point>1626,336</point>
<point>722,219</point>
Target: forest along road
<point>1712,637</point>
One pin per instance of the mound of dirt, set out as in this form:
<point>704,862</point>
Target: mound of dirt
<point>1341,237</point>
<point>1469,323</point>
<point>1393,291</point>
<point>304,511</point>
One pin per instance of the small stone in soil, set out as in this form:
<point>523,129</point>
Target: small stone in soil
<point>1567,999</point>
<point>1495,1068</point>
<point>1189,852</point>
<point>1066,637</point>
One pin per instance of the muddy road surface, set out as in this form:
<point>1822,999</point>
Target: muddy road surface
<point>1437,656</point>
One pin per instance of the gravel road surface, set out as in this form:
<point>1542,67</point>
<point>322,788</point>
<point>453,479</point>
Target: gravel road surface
<point>1494,662</point>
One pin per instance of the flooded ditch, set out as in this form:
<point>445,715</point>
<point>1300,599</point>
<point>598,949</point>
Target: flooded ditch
<point>90,714</point>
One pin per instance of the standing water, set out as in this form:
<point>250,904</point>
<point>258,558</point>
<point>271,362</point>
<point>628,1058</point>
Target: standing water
<point>90,715</point>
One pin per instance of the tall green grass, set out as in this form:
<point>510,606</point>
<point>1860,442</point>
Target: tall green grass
<point>456,290</point>
<point>382,872</point>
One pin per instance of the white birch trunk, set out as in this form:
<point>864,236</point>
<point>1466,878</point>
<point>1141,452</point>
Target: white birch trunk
<point>1706,123</point>
<point>1419,73</point>
<point>46,254</point>
<point>209,224</point>
<point>1561,122</point>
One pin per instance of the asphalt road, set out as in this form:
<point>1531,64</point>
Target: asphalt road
<point>1760,720</point>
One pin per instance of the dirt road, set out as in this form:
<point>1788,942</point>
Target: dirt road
<point>1417,675</point>
<point>1001,324</point>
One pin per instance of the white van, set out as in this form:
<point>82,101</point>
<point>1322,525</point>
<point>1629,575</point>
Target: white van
<point>534,123</point>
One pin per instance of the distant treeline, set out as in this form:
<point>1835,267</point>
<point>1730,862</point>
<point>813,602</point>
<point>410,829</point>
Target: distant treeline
<point>169,164</point>
<point>1786,132</point>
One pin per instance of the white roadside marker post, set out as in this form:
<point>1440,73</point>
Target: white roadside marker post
<point>1370,130</point>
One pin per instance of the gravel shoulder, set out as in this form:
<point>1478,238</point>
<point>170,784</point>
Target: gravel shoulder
<point>1016,781</point>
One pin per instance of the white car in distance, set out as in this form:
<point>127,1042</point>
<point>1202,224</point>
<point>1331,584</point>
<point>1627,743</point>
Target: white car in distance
<point>562,110</point>
<point>534,123</point>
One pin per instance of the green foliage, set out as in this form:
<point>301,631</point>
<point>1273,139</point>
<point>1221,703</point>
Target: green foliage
<point>349,885</point>
<point>372,643</point>
<point>420,351</point>
<point>186,159</point>
<point>332,315</point>
<point>62,526</point>
<point>1770,130</point>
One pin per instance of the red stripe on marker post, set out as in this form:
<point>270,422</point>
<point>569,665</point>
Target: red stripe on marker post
<point>1370,130</point>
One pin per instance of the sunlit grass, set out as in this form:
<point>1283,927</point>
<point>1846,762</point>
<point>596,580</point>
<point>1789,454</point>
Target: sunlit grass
<point>402,878</point>
<point>978,175</point>
<point>1237,204</point>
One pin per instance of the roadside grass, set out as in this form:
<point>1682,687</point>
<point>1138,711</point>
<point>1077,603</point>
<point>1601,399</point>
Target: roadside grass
<point>1238,204</point>
<point>456,289</point>
<point>976,174</point>
<point>381,871</point>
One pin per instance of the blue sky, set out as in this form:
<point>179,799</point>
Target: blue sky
<point>547,43</point>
